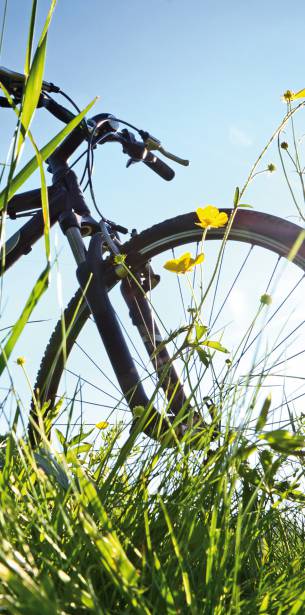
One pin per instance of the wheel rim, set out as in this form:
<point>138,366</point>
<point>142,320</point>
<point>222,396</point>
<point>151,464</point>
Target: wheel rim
<point>283,353</point>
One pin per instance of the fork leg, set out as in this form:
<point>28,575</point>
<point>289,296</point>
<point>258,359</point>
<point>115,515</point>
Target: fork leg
<point>142,317</point>
<point>91,278</point>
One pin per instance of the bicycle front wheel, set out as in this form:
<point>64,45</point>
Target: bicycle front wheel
<point>242,308</point>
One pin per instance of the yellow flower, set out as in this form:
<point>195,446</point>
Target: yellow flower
<point>288,96</point>
<point>102,425</point>
<point>211,217</point>
<point>21,361</point>
<point>119,259</point>
<point>300,94</point>
<point>183,263</point>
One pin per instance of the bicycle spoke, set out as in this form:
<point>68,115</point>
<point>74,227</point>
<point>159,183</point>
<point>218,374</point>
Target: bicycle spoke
<point>211,326</point>
<point>264,342</point>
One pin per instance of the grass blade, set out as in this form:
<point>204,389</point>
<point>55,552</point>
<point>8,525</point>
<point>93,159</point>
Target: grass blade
<point>34,79</point>
<point>28,55</point>
<point>45,152</point>
<point>38,289</point>
<point>44,200</point>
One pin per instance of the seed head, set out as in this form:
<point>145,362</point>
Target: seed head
<point>266,299</point>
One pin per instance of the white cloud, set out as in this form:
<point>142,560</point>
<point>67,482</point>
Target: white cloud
<point>239,137</point>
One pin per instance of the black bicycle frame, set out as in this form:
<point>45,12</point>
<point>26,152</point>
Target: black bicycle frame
<point>67,206</point>
<point>21,242</point>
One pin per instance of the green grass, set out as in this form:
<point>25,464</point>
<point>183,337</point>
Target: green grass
<point>175,532</point>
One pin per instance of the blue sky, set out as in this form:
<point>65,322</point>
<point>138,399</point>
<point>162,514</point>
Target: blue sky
<point>205,77</point>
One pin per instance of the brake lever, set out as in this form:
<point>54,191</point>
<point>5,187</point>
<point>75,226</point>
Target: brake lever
<point>182,161</point>
<point>152,143</point>
<point>131,161</point>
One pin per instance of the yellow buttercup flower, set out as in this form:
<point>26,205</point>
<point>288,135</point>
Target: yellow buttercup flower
<point>288,96</point>
<point>300,94</point>
<point>211,217</point>
<point>102,425</point>
<point>183,263</point>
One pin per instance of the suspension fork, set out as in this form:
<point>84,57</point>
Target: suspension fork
<point>142,318</point>
<point>141,315</point>
<point>91,277</point>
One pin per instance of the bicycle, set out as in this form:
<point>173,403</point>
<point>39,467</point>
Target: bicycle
<point>185,383</point>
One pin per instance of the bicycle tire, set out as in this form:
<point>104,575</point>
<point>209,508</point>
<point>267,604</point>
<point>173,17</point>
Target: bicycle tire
<point>249,227</point>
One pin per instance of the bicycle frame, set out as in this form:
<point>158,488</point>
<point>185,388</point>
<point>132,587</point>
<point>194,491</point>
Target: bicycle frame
<point>67,207</point>
<point>21,242</point>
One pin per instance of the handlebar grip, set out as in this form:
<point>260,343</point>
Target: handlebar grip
<point>159,167</point>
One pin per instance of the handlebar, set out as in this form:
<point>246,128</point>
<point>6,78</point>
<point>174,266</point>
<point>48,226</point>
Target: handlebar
<point>99,129</point>
<point>14,82</point>
<point>107,132</point>
<point>138,151</point>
